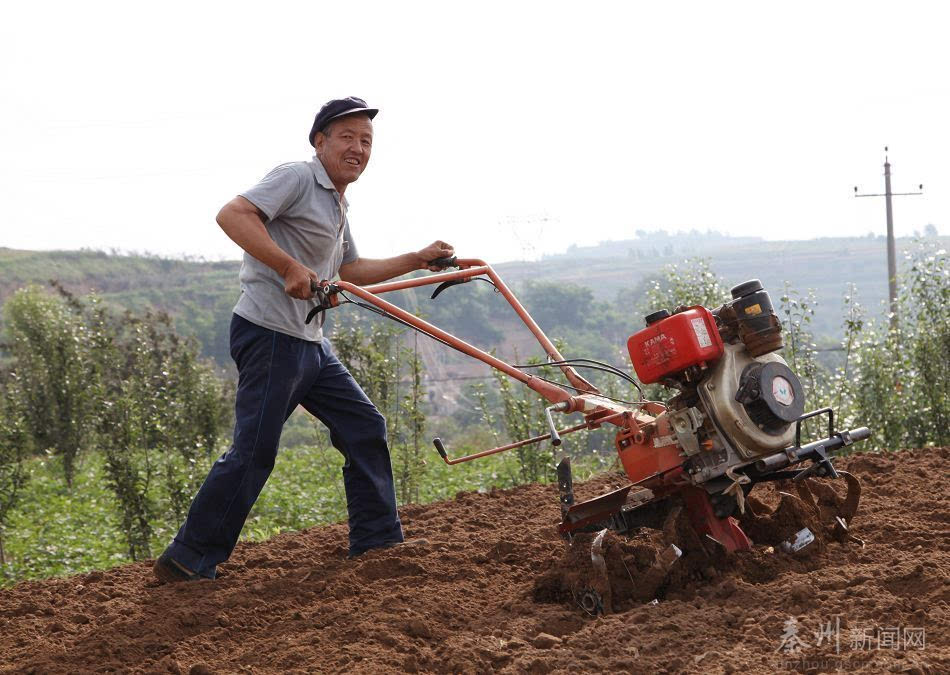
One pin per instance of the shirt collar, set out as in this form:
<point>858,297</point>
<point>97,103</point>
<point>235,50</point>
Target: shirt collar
<point>323,178</point>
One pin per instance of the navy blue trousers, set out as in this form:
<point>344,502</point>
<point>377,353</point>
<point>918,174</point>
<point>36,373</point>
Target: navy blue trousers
<point>276,373</point>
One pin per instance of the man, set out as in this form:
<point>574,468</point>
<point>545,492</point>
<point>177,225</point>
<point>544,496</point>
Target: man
<point>294,229</point>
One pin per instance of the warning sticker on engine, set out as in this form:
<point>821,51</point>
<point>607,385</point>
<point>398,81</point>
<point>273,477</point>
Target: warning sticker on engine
<point>753,310</point>
<point>702,333</point>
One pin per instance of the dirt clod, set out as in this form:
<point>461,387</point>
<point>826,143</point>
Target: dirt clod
<point>545,641</point>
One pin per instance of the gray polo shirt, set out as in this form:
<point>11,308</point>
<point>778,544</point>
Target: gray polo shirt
<point>307,219</point>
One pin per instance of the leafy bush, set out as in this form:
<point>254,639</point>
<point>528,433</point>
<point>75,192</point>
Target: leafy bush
<point>56,371</point>
<point>899,384</point>
<point>691,283</point>
<point>14,449</point>
<point>127,385</point>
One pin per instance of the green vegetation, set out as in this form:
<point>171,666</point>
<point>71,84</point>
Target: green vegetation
<point>898,382</point>
<point>15,447</point>
<point>58,531</point>
<point>84,380</point>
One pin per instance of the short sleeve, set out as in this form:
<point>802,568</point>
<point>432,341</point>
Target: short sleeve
<point>350,254</point>
<point>276,192</point>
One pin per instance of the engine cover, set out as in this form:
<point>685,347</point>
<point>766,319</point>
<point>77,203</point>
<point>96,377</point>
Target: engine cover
<point>772,395</point>
<point>717,391</point>
<point>670,345</point>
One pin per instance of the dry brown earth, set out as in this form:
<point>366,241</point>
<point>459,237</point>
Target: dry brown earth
<point>465,600</point>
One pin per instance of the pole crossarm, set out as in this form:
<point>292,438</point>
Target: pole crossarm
<point>893,194</point>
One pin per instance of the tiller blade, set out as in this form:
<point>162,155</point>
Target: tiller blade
<point>595,510</point>
<point>827,508</point>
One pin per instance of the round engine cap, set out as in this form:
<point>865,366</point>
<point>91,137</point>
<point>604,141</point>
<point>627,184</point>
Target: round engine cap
<point>781,391</point>
<point>771,394</point>
<point>745,288</point>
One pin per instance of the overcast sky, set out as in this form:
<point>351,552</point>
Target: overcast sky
<point>509,129</point>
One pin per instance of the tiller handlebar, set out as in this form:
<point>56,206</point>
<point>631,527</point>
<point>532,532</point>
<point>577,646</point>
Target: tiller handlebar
<point>586,398</point>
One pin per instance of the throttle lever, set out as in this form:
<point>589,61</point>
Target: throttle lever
<point>449,261</point>
<point>446,284</point>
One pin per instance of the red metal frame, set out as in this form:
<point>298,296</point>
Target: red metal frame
<point>596,410</point>
<point>470,268</point>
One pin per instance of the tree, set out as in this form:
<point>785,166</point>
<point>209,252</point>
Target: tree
<point>411,465</point>
<point>162,414</point>
<point>557,304</point>
<point>14,448</point>
<point>520,411</point>
<point>56,370</point>
<point>901,383</point>
<point>692,282</point>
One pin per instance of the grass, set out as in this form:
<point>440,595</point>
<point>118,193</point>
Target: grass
<point>57,531</point>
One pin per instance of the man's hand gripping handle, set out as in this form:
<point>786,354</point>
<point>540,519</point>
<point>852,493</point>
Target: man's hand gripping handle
<point>322,290</point>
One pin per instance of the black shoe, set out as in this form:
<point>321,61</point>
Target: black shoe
<point>169,571</point>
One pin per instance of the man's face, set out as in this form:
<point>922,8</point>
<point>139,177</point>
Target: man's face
<point>345,148</point>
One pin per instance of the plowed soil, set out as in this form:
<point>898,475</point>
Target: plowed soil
<point>478,592</point>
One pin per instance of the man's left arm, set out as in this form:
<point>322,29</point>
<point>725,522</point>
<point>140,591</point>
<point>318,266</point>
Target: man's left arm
<point>364,271</point>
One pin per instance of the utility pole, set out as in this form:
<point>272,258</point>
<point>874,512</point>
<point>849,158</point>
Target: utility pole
<point>891,248</point>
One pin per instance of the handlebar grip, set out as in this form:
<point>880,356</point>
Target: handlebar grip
<point>321,290</point>
<point>437,442</point>
<point>444,262</point>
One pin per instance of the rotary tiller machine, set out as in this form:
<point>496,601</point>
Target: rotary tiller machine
<point>734,421</point>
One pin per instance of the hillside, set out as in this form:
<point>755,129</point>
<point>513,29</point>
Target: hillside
<point>198,294</point>
<point>473,595</point>
<point>201,294</point>
<point>826,265</point>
